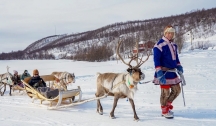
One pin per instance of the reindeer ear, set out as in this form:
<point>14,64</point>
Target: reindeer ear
<point>140,72</point>
<point>129,70</point>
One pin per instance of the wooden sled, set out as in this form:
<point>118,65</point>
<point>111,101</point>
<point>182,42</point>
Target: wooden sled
<point>63,95</point>
<point>17,87</point>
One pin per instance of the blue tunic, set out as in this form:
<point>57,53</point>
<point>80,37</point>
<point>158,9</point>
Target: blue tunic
<point>165,55</point>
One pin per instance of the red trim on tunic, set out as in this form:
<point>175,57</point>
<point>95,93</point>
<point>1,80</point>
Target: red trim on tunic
<point>168,81</point>
<point>165,86</point>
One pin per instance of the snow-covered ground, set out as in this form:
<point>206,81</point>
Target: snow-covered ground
<point>200,92</point>
<point>199,43</point>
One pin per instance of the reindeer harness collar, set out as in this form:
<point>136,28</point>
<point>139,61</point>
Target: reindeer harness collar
<point>130,85</point>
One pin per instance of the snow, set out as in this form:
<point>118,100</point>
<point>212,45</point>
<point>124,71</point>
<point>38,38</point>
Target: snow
<point>200,39</point>
<point>200,92</point>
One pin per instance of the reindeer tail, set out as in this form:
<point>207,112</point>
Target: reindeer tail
<point>97,74</point>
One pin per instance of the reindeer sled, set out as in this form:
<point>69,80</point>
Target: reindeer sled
<point>7,79</point>
<point>63,95</point>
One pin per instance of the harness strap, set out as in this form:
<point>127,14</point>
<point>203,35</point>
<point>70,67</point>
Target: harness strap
<point>129,84</point>
<point>118,84</point>
<point>122,82</point>
<point>113,81</point>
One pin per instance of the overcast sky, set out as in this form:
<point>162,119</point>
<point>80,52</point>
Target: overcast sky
<point>23,22</point>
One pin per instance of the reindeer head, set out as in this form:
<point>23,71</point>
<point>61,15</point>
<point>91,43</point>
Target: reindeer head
<point>10,77</point>
<point>72,77</point>
<point>69,77</point>
<point>135,71</point>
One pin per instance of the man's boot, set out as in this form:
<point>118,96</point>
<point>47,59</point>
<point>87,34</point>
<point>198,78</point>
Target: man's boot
<point>166,113</point>
<point>170,106</point>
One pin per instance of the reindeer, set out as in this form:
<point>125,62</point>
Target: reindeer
<point>6,79</point>
<point>65,78</point>
<point>120,85</point>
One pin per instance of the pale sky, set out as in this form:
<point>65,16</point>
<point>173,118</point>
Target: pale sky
<point>23,22</point>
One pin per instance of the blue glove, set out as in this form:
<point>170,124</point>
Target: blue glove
<point>180,68</point>
<point>161,77</point>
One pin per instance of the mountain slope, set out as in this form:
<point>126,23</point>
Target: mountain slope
<point>191,25</point>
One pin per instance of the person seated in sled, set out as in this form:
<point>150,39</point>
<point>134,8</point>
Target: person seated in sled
<point>17,80</point>
<point>25,74</point>
<point>36,81</point>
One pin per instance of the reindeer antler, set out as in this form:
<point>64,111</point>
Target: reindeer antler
<point>132,57</point>
<point>8,69</point>
<point>141,61</point>
<point>117,51</point>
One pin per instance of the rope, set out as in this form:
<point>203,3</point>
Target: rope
<point>78,103</point>
<point>146,82</point>
<point>172,70</point>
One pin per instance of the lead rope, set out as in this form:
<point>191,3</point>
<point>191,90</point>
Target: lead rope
<point>172,70</point>
<point>146,82</point>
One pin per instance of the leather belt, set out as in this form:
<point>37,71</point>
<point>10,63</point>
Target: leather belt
<point>166,69</point>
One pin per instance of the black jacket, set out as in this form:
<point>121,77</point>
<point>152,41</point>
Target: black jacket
<point>16,79</point>
<point>38,80</point>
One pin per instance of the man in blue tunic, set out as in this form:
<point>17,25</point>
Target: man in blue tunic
<point>166,60</point>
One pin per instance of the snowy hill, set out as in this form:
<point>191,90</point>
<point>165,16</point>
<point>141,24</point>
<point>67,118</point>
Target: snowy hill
<point>42,42</point>
<point>198,26</point>
<point>198,40</point>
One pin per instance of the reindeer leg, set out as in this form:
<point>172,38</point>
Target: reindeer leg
<point>99,106</point>
<point>73,98</point>
<point>65,86</point>
<point>10,89</point>
<point>1,93</point>
<point>4,90</point>
<point>133,107</point>
<point>116,98</point>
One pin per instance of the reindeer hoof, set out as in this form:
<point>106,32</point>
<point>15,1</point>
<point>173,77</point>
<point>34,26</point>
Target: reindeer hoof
<point>101,113</point>
<point>112,117</point>
<point>136,119</point>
